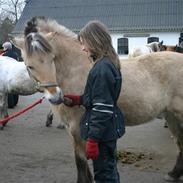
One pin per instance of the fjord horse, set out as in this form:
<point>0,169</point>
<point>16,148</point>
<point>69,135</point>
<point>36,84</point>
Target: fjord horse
<point>152,84</point>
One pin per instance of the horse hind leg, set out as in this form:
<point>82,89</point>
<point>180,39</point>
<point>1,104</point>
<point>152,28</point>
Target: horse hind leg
<point>177,171</point>
<point>3,109</point>
<point>176,128</point>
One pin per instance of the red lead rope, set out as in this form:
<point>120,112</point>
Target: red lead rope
<point>21,111</point>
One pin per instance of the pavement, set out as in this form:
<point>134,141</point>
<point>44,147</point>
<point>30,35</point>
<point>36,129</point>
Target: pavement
<point>33,153</point>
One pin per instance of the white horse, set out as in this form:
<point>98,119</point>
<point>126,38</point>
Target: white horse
<point>14,79</point>
<point>148,48</point>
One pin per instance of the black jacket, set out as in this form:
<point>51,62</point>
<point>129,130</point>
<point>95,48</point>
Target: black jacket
<point>102,120</point>
<point>11,53</point>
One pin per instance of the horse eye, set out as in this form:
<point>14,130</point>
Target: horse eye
<point>30,68</point>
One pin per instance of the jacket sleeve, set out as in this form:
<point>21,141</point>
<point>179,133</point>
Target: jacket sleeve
<point>102,99</point>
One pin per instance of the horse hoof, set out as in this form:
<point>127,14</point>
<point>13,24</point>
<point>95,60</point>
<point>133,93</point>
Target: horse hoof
<point>1,127</point>
<point>165,125</point>
<point>5,123</point>
<point>48,124</point>
<point>169,178</point>
<point>61,126</point>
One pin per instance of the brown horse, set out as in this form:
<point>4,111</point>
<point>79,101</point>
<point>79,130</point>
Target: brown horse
<point>175,48</point>
<point>152,84</point>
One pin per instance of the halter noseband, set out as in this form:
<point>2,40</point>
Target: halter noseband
<point>46,85</point>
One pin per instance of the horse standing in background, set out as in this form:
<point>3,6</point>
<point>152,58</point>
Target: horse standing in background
<point>152,84</point>
<point>175,48</point>
<point>148,48</point>
<point>15,79</point>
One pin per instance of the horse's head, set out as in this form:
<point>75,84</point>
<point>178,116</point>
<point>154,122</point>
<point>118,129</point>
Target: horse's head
<point>161,46</point>
<point>156,46</point>
<point>38,55</point>
<point>53,57</point>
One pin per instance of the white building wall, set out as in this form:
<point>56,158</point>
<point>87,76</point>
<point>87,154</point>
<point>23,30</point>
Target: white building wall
<point>169,38</point>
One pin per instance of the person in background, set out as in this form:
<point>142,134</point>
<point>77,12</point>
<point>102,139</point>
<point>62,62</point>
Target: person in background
<point>102,123</point>
<point>1,52</point>
<point>8,51</point>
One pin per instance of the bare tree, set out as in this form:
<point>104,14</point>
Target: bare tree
<point>6,27</point>
<point>11,9</point>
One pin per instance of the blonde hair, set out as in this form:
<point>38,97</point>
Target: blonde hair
<point>98,40</point>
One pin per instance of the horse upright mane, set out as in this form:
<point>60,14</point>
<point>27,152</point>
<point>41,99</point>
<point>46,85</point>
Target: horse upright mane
<point>37,26</point>
<point>46,25</point>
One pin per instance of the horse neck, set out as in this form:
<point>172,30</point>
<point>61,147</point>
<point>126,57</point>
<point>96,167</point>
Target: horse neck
<point>72,67</point>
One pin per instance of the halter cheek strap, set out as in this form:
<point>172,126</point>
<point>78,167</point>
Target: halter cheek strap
<point>41,85</point>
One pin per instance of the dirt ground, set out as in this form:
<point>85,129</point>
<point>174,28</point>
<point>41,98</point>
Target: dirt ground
<point>33,153</point>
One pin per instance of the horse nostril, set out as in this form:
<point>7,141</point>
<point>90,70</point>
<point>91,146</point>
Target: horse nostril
<point>56,101</point>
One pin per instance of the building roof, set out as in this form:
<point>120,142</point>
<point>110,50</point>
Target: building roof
<point>119,15</point>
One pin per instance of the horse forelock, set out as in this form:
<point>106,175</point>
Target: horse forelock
<point>46,25</point>
<point>32,25</point>
<point>36,42</point>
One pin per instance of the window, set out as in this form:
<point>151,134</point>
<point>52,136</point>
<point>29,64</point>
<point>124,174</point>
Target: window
<point>123,46</point>
<point>180,40</point>
<point>152,39</point>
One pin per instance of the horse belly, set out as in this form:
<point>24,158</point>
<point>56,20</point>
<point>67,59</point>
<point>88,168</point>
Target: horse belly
<point>142,99</point>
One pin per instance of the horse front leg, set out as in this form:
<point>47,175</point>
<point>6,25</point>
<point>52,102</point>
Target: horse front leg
<point>3,108</point>
<point>49,119</point>
<point>83,171</point>
<point>176,128</point>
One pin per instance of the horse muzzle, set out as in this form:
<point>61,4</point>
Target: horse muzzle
<point>56,101</point>
<point>55,98</point>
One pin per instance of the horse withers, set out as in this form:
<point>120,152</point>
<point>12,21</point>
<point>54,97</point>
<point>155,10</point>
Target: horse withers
<point>152,84</point>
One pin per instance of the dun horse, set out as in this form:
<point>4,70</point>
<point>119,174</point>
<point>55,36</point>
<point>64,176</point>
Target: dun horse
<point>152,84</point>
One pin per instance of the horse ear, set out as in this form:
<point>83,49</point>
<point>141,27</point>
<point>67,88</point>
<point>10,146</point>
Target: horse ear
<point>17,42</point>
<point>161,43</point>
<point>50,35</point>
